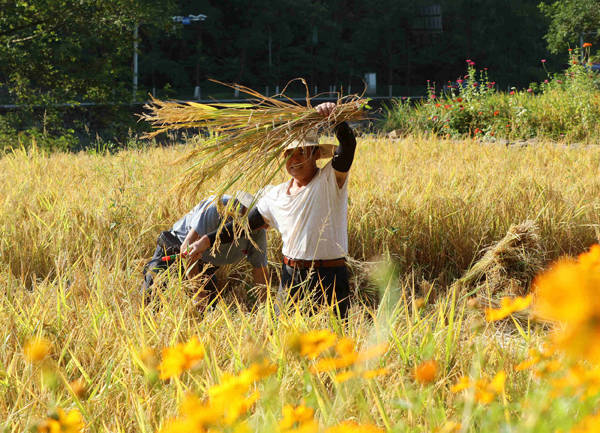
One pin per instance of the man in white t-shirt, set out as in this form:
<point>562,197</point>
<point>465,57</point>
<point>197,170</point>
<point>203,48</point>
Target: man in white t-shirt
<point>310,212</point>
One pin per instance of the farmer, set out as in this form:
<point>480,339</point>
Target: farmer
<point>310,212</point>
<point>204,218</point>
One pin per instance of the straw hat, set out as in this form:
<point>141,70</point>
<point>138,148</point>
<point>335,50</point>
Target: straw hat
<point>312,139</point>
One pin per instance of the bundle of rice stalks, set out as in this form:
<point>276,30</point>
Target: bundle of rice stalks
<point>249,139</point>
<point>507,267</point>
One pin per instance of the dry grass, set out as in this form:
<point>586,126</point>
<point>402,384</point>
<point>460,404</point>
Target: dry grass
<point>249,138</point>
<point>76,230</point>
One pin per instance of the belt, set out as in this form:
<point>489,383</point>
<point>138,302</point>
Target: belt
<point>314,263</point>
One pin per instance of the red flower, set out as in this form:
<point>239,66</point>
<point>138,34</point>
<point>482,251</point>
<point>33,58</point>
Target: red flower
<point>438,105</point>
<point>458,99</point>
<point>512,92</point>
<point>496,113</point>
<point>462,108</point>
<point>586,45</point>
<point>459,81</point>
<point>432,96</point>
<point>447,106</point>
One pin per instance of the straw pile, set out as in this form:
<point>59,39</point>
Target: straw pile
<point>249,139</point>
<point>507,267</point>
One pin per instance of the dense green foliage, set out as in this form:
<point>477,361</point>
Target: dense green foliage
<point>56,52</point>
<point>571,20</point>
<point>563,107</point>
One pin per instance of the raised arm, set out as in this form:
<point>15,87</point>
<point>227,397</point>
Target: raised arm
<point>344,154</point>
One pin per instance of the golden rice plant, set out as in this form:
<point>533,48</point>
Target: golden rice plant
<point>249,137</point>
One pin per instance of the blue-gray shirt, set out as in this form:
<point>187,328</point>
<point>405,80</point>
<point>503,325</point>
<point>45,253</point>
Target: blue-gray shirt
<point>204,219</point>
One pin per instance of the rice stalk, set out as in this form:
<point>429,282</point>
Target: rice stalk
<point>248,138</point>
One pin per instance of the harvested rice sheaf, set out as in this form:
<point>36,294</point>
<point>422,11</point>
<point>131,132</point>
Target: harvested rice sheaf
<point>249,139</point>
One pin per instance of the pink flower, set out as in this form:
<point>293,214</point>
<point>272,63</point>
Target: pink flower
<point>432,96</point>
<point>530,90</point>
<point>543,60</point>
<point>493,83</point>
<point>435,118</point>
<point>459,81</point>
<point>545,81</point>
<point>512,92</point>
<point>485,69</point>
<point>475,84</point>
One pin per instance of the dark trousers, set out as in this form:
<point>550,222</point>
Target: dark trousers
<point>168,244</point>
<point>322,285</point>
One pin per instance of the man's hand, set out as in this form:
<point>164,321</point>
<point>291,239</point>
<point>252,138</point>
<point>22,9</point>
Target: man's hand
<point>325,109</point>
<point>196,249</point>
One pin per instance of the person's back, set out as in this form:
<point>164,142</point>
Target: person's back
<point>205,218</point>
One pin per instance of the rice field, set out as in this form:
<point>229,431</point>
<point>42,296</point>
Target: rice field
<point>429,251</point>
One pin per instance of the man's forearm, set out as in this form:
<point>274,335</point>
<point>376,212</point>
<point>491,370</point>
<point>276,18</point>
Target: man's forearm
<point>344,154</point>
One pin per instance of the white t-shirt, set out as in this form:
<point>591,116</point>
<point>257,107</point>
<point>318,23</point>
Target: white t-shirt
<point>312,222</point>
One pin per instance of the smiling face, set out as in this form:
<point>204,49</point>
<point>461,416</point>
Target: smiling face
<point>302,161</point>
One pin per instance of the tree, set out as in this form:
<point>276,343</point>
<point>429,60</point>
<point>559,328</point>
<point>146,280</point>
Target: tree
<point>568,20</point>
<point>71,50</point>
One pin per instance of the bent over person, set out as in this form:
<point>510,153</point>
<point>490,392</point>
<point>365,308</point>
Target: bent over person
<point>202,219</point>
<point>310,212</point>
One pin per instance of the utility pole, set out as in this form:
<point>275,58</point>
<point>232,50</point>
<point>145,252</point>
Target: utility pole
<point>135,60</point>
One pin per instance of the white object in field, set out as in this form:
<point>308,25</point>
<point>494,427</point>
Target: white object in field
<point>371,79</point>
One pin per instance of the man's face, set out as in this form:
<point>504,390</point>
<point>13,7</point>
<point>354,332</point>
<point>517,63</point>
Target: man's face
<point>301,161</point>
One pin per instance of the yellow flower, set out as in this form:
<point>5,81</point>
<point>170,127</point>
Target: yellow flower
<point>372,352</point>
<point>449,427</point>
<point>369,374</point>
<point>64,422</point>
<point>484,391</point>
<point>182,357</point>
<point>353,427</point>
<point>463,383</point>
<point>296,417</point>
<point>330,364</point>
<point>36,349</point>
<point>345,346</point>
<point>426,371</point>
<point>313,343</point>
<point>344,376</point>
<point>201,413</point>
<point>590,424</point>
<point>567,293</point>
<point>507,307</point>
